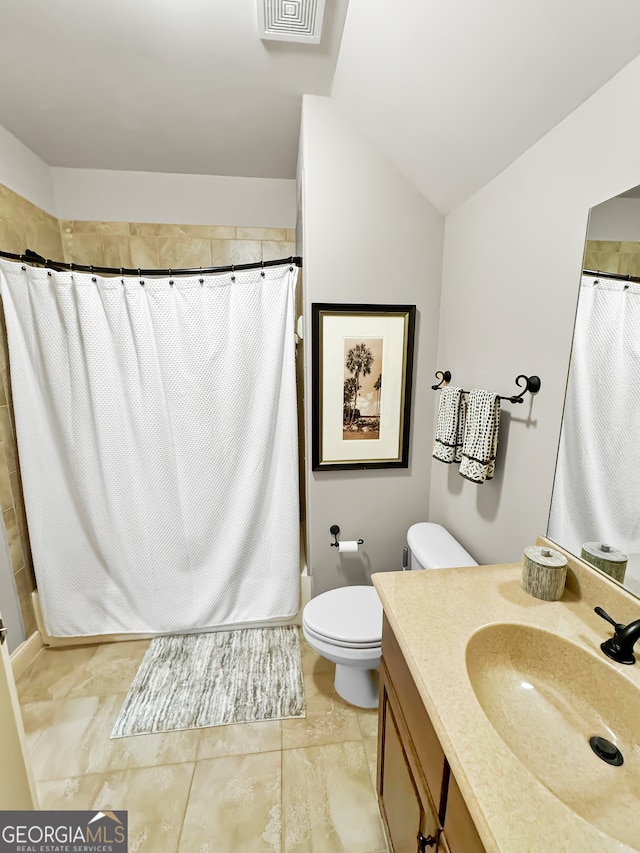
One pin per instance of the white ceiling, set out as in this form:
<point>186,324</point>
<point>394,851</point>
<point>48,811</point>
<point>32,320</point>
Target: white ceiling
<point>456,91</point>
<point>159,85</point>
<point>452,90</point>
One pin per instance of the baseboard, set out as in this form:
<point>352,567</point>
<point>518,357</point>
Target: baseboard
<point>25,654</point>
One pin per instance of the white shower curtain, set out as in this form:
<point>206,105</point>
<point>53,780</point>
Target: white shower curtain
<point>157,433</point>
<point>596,493</point>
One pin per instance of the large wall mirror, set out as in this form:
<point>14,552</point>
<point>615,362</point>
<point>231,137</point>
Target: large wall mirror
<point>595,506</point>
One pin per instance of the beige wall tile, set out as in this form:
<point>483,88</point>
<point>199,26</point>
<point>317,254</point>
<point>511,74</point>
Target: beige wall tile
<point>629,263</point>
<point>6,498</point>
<point>181,252</point>
<point>604,261</point>
<point>24,588</point>
<point>4,359</point>
<point>243,233</point>
<point>83,249</point>
<point>13,539</point>
<point>44,240</point>
<point>221,253</point>
<point>12,237</point>
<point>28,560</point>
<point>630,247</point>
<point>66,226</point>
<point>291,235</point>
<point>245,251</point>
<point>10,452</point>
<point>235,805</point>
<point>50,221</point>
<point>111,228</point>
<point>117,251</point>
<point>276,250</point>
<point>6,431</point>
<point>220,232</point>
<point>608,246</point>
<point>144,252</point>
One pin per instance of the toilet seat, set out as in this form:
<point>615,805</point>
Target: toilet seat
<point>324,638</point>
<point>349,616</point>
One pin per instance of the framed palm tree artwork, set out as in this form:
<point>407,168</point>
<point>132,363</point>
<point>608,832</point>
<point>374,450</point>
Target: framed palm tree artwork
<point>362,366</point>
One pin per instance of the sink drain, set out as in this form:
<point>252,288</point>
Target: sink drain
<point>606,750</point>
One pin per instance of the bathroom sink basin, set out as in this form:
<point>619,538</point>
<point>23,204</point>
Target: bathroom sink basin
<point>546,697</point>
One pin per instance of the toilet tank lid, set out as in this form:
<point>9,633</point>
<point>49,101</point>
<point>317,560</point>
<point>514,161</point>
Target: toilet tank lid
<point>349,613</point>
<point>435,548</point>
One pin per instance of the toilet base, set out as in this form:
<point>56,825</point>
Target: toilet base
<point>357,686</point>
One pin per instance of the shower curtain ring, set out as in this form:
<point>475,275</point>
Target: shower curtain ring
<point>233,270</point>
<point>262,270</point>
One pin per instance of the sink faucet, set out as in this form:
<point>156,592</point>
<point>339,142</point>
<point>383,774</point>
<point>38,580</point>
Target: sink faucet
<point>620,646</point>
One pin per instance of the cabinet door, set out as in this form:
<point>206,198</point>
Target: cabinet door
<point>424,739</point>
<point>462,836</point>
<point>398,797</point>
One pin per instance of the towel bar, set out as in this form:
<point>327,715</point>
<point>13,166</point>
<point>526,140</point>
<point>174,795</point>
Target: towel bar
<point>532,385</point>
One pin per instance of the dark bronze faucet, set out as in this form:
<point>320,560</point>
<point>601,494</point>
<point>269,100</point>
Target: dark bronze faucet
<point>620,646</point>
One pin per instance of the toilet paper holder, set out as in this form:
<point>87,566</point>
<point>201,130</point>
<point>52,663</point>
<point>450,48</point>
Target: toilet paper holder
<point>334,530</point>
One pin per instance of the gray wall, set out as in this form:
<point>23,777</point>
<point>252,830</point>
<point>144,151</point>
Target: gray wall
<point>368,236</point>
<point>511,268</point>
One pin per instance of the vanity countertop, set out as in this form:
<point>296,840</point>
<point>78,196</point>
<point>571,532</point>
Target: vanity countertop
<point>433,614</point>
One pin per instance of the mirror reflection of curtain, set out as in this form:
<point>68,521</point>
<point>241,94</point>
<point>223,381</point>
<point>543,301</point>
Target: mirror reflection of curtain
<point>596,494</point>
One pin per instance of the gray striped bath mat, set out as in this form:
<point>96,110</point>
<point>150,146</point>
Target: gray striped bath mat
<point>198,680</point>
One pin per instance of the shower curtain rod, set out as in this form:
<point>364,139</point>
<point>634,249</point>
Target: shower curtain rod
<point>618,275</point>
<point>31,257</point>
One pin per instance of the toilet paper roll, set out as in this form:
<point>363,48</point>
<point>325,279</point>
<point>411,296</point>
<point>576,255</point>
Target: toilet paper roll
<point>347,546</point>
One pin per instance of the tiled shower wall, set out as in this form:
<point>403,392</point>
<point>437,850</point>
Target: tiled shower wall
<point>114,244</point>
<point>133,244</point>
<point>613,256</point>
<point>22,226</point>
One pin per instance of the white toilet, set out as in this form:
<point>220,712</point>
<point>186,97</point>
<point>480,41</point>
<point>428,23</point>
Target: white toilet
<point>344,625</point>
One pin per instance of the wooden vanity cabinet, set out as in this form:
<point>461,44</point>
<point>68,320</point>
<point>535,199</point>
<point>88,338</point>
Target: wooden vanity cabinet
<point>421,805</point>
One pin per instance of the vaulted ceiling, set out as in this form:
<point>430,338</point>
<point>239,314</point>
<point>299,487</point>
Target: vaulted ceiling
<point>452,91</point>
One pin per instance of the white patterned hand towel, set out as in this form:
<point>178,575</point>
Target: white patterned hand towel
<point>447,446</point>
<point>480,436</point>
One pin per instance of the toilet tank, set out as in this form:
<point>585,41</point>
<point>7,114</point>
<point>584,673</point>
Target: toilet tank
<point>433,547</point>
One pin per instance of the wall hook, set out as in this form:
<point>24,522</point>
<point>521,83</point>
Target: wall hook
<point>443,376</point>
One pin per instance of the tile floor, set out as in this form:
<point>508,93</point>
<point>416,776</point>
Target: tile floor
<point>289,786</point>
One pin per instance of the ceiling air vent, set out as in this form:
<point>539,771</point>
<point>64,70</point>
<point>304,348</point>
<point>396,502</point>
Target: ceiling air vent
<point>291,20</point>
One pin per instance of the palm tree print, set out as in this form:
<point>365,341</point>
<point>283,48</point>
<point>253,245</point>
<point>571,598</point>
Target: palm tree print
<point>358,362</point>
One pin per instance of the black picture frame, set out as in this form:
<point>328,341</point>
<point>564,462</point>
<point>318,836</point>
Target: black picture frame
<point>353,426</point>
